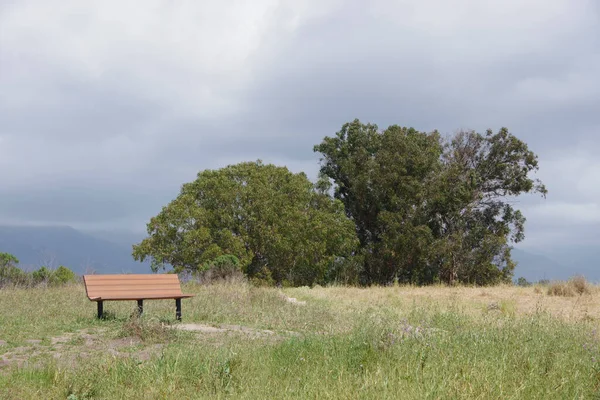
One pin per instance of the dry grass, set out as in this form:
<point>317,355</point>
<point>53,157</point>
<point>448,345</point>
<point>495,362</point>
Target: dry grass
<point>471,300</point>
<point>559,288</point>
<point>580,285</point>
<point>574,286</point>
<point>420,342</point>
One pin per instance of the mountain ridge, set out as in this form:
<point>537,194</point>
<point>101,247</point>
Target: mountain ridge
<point>52,246</point>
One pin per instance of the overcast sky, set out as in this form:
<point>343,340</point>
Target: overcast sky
<point>107,107</point>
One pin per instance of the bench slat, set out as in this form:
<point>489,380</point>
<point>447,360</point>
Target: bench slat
<point>134,286</point>
<point>135,293</point>
<point>170,280</point>
<point>130,297</point>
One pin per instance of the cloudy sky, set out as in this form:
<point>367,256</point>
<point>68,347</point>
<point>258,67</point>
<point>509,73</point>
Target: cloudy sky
<point>107,107</point>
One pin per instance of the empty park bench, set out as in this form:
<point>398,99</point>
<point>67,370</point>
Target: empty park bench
<point>140,287</point>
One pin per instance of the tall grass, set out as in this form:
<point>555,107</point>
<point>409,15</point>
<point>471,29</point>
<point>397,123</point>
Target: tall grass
<point>369,343</point>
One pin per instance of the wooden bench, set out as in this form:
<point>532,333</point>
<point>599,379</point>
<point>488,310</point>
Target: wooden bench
<point>138,287</point>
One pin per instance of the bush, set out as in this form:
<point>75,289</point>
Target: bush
<point>13,275</point>
<point>62,276</point>
<point>580,285</point>
<point>226,267</point>
<point>575,285</point>
<point>42,275</point>
<point>262,278</point>
<point>560,288</point>
<point>10,274</point>
<point>523,282</point>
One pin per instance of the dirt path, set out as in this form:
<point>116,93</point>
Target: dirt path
<point>69,348</point>
<point>224,329</point>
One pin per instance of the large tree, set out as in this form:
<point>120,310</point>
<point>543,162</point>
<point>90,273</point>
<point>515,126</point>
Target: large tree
<point>471,211</point>
<point>426,208</point>
<point>277,223</point>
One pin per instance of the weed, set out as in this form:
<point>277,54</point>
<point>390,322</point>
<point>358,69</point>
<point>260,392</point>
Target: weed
<point>149,331</point>
<point>580,285</point>
<point>559,288</point>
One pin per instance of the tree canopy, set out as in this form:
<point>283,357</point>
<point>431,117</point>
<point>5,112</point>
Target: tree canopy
<point>277,223</point>
<point>390,205</point>
<point>430,209</point>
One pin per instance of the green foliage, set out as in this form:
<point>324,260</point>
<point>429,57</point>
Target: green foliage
<point>397,205</point>
<point>275,222</point>
<point>8,260</point>
<point>523,282</point>
<point>63,275</point>
<point>222,267</point>
<point>10,273</point>
<point>429,209</point>
<point>41,275</point>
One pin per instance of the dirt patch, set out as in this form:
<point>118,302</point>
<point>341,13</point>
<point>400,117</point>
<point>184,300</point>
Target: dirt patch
<point>227,329</point>
<point>72,347</point>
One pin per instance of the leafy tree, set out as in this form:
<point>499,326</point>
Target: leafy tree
<point>471,215</point>
<point>8,261</point>
<point>429,209</point>
<point>380,177</point>
<point>10,273</point>
<point>276,223</point>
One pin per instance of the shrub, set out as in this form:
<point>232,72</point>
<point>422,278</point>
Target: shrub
<point>225,267</point>
<point>560,288</point>
<point>575,285</point>
<point>147,331</point>
<point>262,278</point>
<point>42,275</point>
<point>10,274</point>
<point>580,285</point>
<point>62,276</point>
<point>13,275</point>
<point>523,282</point>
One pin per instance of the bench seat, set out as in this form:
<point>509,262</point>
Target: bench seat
<point>140,287</point>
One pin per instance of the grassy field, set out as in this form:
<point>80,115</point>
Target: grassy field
<point>244,342</point>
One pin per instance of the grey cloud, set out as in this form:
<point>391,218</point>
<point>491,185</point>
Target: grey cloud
<point>140,132</point>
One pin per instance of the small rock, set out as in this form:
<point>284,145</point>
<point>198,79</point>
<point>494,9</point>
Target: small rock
<point>2,343</point>
<point>33,341</point>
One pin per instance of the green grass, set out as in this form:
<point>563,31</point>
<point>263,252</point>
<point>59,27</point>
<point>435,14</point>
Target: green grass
<point>352,343</point>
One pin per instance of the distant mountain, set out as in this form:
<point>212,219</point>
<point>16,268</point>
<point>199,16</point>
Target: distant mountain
<point>54,246</point>
<point>120,237</point>
<point>557,264</point>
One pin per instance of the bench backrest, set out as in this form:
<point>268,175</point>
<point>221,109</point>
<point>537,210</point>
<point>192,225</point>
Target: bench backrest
<point>131,285</point>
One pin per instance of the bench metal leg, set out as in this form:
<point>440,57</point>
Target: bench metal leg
<point>178,309</point>
<point>100,309</point>
<point>140,307</point>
